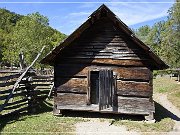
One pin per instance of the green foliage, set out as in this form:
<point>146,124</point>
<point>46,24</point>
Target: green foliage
<point>39,18</point>
<point>163,37</point>
<point>27,34</point>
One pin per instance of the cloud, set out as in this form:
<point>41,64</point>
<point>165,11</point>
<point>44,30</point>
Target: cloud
<point>79,14</point>
<point>129,13</point>
<point>136,13</point>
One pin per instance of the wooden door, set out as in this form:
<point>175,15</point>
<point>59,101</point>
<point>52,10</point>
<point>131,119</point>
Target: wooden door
<point>106,89</point>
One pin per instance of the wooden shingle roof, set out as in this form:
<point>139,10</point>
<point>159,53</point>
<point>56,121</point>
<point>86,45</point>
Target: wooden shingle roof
<point>50,58</point>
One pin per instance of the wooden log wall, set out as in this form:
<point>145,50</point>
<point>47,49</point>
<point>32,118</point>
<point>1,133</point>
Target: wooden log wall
<point>103,46</point>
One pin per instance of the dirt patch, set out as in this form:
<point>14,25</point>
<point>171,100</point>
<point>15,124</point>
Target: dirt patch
<point>97,127</point>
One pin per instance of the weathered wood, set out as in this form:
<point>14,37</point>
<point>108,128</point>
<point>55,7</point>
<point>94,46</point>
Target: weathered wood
<point>126,105</point>
<point>135,63</point>
<point>6,84</point>
<point>135,104</point>
<point>70,99</point>
<point>89,88</point>
<point>13,76</point>
<point>43,77</point>
<point>15,106</point>
<point>131,88</point>
<point>72,85</point>
<point>17,102</point>
<point>10,71</point>
<point>42,80</point>
<point>17,111</point>
<point>9,90</point>
<point>131,73</point>
<point>21,93</point>
<point>71,70</point>
<point>132,85</point>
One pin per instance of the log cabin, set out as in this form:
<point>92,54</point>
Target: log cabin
<point>103,67</point>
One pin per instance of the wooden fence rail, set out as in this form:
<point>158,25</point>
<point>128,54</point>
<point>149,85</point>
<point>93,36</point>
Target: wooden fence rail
<point>20,89</point>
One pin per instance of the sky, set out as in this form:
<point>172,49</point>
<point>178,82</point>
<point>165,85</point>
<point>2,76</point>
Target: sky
<point>68,15</point>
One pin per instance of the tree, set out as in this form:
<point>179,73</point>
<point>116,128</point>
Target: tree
<point>39,18</point>
<point>143,32</point>
<point>172,36</point>
<point>28,36</point>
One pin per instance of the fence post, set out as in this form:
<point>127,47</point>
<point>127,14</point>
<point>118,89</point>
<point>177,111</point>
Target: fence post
<point>32,102</point>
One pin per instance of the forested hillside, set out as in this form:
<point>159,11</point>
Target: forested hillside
<point>25,34</point>
<point>164,37</point>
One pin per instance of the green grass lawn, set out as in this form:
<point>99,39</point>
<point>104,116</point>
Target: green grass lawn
<point>42,121</point>
<point>170,87</point>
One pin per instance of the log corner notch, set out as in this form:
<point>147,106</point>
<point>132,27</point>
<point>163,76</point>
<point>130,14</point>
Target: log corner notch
<point>103,67</point>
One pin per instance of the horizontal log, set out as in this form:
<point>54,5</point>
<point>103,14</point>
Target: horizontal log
<point>135,104</point>
<point>6,78</point>
<point>107,49</point>
<point>103,61</point>
<point>102,39</point>
<point>17,111</point>
<point>42,88</point>
<point>40,80</point>
<point>21,93</point>
<point>10,71</point>
<point>95,108</point>
<point>126,105</point>
<point>134,93</point>
<point>134,86</point>
<point>9,90</point>
<point>104,43</point>
<point>80,70</point>
<point>133,73</point>
<point>104,57</point>
<point>70,99</point>
<point>15,106</point>
<point>71,85</point>
<point>7,84</point>
<point>71,70</point>
<point>41,84</point>
<point>17,102</point>
<point>43,77</point>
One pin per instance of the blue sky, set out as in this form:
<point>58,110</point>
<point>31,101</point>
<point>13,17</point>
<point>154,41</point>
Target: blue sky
<point>66,16</point>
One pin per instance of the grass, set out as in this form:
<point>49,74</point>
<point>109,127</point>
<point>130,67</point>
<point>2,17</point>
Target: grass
<point>175,98</point>
<point>169,87</point>
<point>165,85</point>
<point>165,125</point>
<point>42,121</point>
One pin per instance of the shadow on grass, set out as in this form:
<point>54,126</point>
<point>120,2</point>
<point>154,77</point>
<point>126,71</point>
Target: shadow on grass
<point>11,118</point>
<point>161,113</point>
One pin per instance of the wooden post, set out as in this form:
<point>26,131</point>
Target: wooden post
<point>30,95</point>
<point>21,59</point>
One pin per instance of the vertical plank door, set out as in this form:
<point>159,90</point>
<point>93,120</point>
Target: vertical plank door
<point>106,89</point>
